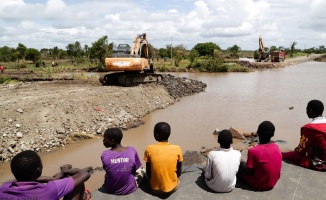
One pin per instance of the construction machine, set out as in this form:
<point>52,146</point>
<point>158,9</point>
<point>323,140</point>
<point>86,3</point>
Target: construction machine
<point>277,56</point>
<point>274,56</point>
<point>263,56</point>
<point>130,66</point>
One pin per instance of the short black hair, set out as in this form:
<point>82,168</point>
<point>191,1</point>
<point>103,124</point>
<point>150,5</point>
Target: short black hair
<point>163,130</point>
<point>24,164</point>
<point>266,131</point>
<point>225,138</point>
<point>115,134</point>
<point>316,106</point>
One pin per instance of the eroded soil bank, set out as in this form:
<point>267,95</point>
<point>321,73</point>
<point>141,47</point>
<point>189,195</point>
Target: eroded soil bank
<point>45,115</point>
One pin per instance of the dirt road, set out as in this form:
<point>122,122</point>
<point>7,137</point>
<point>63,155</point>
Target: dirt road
<point>44,115</point>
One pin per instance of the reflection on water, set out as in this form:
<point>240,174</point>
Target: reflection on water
<point>238,100</point>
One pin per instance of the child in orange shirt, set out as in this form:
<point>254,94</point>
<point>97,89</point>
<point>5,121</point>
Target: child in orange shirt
<point>163,162</point>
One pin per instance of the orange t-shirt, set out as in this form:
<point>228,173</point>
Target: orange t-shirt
<point>163,158</point>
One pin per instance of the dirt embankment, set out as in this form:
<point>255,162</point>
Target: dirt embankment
<point>287,62</point>
<point>44,115</point>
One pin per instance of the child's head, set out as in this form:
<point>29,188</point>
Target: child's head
<point>315,108</point>
<point>265,132</point>
<point>112,136</point>
<point>162,131</point>
<point>225,139</point>
<point>26,166</point>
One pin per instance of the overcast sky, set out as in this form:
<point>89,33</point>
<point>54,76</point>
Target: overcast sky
<point>48,23</point>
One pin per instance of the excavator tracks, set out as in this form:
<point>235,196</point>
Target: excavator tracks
<point>129,79</point>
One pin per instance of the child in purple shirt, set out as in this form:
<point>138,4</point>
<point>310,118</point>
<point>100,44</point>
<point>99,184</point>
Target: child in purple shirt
<point>121,164</point>
<point>29,184</point>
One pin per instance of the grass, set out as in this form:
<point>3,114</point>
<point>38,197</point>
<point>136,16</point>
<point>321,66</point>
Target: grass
<point>297,54</point>
<point>4,79</point>
<point>237,68</point>
<point>205,65</point>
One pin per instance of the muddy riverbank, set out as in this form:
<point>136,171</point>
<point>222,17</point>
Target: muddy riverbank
<point>287,62</point>
<point>44,115</point>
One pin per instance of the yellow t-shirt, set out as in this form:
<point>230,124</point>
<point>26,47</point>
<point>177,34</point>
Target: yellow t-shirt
<point>163,158</point>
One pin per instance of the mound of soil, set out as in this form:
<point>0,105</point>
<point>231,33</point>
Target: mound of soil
<point>47,114</point>
<point>321,58</point>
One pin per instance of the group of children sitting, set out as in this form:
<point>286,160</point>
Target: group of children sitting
<point>124,172</point>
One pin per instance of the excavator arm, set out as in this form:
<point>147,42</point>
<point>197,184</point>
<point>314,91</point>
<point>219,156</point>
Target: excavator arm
<point>140,46</point>
<point>261,45</point>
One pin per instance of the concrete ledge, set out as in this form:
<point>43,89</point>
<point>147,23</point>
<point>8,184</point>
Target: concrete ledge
<point>295,183</point>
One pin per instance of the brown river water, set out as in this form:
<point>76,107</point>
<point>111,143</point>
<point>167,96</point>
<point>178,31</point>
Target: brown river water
<point>238,100</point>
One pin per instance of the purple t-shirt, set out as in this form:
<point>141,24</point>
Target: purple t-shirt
<point>120,168</point>
<point>53,190</point>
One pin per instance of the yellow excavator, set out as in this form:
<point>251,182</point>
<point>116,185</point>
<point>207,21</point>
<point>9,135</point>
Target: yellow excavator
<point>263,56</point>
<point>130,66</point>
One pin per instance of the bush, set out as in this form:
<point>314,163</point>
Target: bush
<point>100,67</point>
<point>237,68</point>
<point>19,66</point>
<point>80,60</point>
<point>4,79</point>
<point>210,65</point>
<point>38,63</point>
<point>161,68</point>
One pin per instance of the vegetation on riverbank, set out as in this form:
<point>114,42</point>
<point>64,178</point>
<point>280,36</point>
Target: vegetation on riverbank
<point>26,70</point>
<point>203,57</point>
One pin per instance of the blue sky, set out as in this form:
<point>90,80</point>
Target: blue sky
<point>48,23</point>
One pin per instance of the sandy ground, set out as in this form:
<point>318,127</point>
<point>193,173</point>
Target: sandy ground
<point>47,114</point>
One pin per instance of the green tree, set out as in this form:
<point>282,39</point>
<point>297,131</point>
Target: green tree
<point>180,50</point>
<point>218,54</point>
<point>101,49</point>
<point>45,53</point>
<point>86,50</point>
<point>74,50</point>
<point>32,55</point>
<point>177,60</point>
<point>162,52</point>
<point>206,49</point>
<point>151,51</point>
<point>322,49</point>
<point>273,48</point>
<point>55,52</point>
<point>234,50</point>
<point>62,54</point>
<point>193,56</point>
<point>21,51</point>
<point>7,54</point>
<point>281,48</point>
<point>293,48</point>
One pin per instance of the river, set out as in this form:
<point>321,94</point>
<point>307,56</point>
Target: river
<point>238,100</point>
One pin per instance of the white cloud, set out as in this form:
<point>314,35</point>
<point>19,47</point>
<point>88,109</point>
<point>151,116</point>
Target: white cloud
<point>173,11</point>
<point>114,17</point>
<point>54,8</point>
